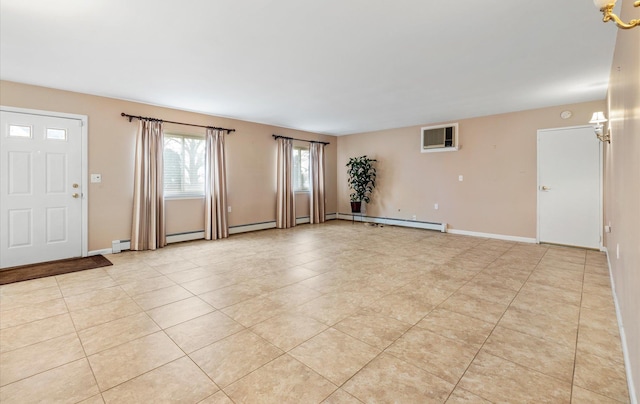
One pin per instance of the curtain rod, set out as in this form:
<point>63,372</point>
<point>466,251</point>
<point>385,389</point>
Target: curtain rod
<point>301,140</point>
<point>144,118</point>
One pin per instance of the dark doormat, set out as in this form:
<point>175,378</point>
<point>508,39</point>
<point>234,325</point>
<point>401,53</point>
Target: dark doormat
<point>51,268</point>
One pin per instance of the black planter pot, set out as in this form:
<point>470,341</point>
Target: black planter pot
<point>356,207</point>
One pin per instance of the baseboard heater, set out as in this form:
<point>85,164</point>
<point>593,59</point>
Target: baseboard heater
<point>118,246</point>
<point>442,227</point>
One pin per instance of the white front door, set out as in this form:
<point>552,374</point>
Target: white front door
<point>569,167</point>
<point>41,191</point>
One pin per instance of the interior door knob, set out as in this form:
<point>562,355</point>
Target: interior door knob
<point>544,188</point>
<point>75,195</point>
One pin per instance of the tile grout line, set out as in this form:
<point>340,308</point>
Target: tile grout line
<point>577,339</point>
<point>68,312</point>
<point>82,345</point>
<point>384,351</point>
<point>532,369</point>
<point>328,327</point>
<point>551,341</point>
<point>86,357</point>
<point>495,326</point>
<point>575,353</point>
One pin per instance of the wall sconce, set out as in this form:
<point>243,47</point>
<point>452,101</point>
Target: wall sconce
<point>598,119</point>
<point>606,6</point>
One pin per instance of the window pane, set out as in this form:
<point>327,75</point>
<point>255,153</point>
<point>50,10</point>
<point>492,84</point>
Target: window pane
<point>304,169</point>
<point>19,131</point>
<point>56,134</point>
<point>300,169</point>
<point>183,165</point>
<point>296,169</point>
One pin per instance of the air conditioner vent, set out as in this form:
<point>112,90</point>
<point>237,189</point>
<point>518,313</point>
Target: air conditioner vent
<point>439,138</point>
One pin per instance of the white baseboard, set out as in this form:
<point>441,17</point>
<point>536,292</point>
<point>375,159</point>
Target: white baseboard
<point>122,245</point>
<point>623,338</point>
<point>177,238</point>
<point>272,225</point>
<point>442,227</point>
<point>432,226</point>
<point>252,227</point>
<point>494,236</point>
<point>100,252</point>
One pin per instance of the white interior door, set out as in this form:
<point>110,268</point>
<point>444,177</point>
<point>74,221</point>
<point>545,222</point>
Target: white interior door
<point>41,192</point>
<point>569,180</point>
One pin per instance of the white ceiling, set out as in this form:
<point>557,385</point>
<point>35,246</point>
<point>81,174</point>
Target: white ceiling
<point>333,66</point>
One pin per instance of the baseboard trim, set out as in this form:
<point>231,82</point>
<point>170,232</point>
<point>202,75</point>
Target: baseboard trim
<point>100,252</point>
<point>623,337</point>
<point>442,227</point>
<point>122,245</point>
<point>243,228</point>
<point>189,236</point>
<point>505,237</point>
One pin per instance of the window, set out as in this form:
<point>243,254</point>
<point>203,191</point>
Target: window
<point>19,131</point>
<point>183,166</point>
<point>56,134</point>
<point>300,169</point>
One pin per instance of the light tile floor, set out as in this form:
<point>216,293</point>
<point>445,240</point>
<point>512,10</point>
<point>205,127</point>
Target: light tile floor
<point>334,313</point>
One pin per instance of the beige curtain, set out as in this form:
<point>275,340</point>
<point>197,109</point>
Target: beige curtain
<point>316,180</point>
<point>215,192</point>
<point>285,204</point>
<point>148,225</point>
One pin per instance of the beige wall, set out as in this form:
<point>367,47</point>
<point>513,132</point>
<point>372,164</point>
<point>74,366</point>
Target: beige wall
<point>251,160</point>
<point>622,185</point>
<point>497,160</point>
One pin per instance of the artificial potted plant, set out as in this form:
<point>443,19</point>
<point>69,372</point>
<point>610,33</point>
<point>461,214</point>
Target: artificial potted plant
<point>362,180</point>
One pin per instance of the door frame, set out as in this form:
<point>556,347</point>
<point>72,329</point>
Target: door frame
<point>600,183</point>
<point>84,136</point>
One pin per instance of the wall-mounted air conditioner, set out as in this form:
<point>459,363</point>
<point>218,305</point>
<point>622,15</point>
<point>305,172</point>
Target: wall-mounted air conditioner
<point>439,138</point>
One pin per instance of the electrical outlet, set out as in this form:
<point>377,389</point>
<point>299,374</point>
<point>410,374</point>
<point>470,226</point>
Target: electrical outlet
<point>414,217</point>
<point>229,209</point>
<point>435,206</point>
<point>460,178</point>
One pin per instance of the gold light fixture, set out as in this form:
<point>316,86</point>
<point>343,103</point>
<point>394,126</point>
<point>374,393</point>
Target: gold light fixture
<point>606,6</point>
<point>598,119</point>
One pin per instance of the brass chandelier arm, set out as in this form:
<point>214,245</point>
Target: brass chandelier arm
<point>609,15</point>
